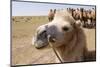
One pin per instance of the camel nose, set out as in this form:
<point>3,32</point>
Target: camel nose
<point>51,39</point>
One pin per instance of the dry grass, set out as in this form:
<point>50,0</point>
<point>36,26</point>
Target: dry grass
<point>23,52</point>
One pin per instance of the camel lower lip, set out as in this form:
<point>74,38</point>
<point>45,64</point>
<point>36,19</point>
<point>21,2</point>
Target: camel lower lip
<point>40,47</point>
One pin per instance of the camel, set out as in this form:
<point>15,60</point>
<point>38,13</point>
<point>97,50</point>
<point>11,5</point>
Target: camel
<point>65,35</point>
<point>51,15</point>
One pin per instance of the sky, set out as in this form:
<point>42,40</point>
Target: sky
<point>39,9</point>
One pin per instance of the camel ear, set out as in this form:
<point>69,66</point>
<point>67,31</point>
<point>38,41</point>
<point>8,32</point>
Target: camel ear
<point>78,24</point>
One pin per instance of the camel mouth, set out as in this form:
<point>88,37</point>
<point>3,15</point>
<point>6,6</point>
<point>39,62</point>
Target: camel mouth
<point>40,44</point>
<point>40,39</point>
<point>40,47</point>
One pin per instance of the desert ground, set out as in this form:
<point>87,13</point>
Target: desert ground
<point>23,52</point>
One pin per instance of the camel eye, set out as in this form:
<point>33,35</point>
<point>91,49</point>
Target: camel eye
<point>65,28</point>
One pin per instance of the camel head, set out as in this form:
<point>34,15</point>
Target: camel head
<point>57,32</point>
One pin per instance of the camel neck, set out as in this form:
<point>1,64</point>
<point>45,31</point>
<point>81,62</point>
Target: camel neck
<point>71,51</point>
